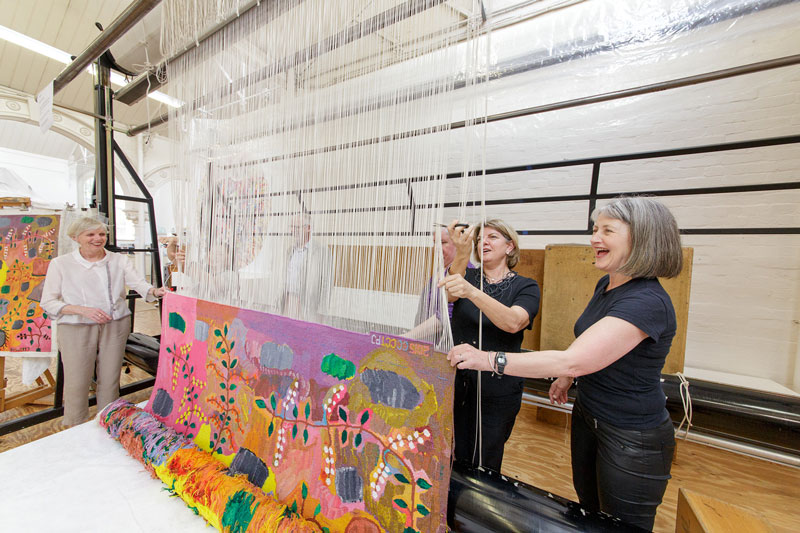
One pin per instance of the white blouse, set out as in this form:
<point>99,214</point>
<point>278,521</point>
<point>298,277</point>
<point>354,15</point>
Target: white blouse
<point>72,280</point>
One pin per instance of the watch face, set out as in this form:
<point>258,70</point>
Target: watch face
<point>501,362</point>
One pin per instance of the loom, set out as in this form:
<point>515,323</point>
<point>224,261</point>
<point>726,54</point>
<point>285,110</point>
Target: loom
<point>336,140</point>
<point>325,124</point>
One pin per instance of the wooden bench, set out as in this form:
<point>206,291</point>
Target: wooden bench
<point>702,514</point>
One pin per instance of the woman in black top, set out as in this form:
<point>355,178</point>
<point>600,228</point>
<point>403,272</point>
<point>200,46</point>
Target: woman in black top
<point>504,304</point>
<point>622,436</point>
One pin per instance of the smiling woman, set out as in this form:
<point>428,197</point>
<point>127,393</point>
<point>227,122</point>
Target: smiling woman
<point>622,437</point>
<point>85,292</point>
<point>494,309</point>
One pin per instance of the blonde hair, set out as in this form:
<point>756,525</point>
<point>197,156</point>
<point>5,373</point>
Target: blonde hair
<point>655,237</point>
<point>84,224</point>
<point>506,231</point>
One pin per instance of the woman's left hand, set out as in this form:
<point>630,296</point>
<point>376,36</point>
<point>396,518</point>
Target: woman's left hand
<point>558,390</point>
<point>159,292</point>
<point>457,287</point>
<point>466,356</point>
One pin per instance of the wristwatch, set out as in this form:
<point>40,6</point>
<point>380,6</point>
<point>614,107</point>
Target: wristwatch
<point>500,361</point>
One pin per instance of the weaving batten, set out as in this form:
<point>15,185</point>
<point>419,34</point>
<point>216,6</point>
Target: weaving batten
<point>310,83</point>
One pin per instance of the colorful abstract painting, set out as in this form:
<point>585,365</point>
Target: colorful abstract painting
<point>28,244</point>
<point>350,431</point>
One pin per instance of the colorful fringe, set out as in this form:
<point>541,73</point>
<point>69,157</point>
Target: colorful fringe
<point>228,502</point>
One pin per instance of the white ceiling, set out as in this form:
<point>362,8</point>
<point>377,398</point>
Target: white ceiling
<point>28,138</point>
<point>69,25</point>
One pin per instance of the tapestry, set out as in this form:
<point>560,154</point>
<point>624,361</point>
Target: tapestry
<point>27,245</point>
<point>350,431</point>
<point>228,501</point>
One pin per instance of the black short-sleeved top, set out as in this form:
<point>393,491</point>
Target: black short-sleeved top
<point>517,290</point>
<point>628,393</point>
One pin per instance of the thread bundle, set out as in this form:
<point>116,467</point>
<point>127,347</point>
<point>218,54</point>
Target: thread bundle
<point>228,502</point>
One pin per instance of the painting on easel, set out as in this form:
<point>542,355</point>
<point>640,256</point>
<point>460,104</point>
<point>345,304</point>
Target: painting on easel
<point>350,431</point>
<point>27,244</point>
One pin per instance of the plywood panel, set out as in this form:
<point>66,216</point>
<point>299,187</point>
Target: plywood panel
<point>531,265</point>
<point>569,281</point>
<point>702,514</point>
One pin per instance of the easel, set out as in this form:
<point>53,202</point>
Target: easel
<point>42,388</point>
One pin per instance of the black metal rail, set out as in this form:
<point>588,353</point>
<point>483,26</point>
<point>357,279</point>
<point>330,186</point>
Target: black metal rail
<point>756,418</point>
<point>592,196</point>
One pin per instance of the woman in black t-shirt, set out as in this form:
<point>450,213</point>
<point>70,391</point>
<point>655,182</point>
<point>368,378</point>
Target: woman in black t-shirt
<point>622,436</point>
<point>503,304</point>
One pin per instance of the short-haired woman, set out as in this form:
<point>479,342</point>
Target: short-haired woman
<point>505,303</point>
<point>84,291</point>
<point>622,436</point>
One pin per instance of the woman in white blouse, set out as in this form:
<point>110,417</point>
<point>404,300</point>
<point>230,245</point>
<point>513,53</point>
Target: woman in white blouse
<point>85,293</point>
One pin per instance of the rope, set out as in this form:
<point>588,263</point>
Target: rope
<point>686,402</point>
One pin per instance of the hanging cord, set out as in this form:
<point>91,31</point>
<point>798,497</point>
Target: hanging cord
<point>147,67</point>
<point>483,222</point>
<point>686,402</point>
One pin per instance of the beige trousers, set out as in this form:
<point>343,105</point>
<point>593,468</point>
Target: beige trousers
<point>84,346</point>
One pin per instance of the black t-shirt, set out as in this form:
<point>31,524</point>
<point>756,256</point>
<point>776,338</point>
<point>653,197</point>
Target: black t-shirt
<point>628,393</point>
<point>517,290</point>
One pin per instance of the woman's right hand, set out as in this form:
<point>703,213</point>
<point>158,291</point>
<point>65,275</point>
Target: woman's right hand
<point>462,238</point>
<point>94,314</point>
<point>558,390</point>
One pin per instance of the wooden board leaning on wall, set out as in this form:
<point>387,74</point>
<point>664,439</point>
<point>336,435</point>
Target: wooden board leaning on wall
<point>569,281</point>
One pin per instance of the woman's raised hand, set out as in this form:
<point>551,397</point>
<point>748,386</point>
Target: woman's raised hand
<point>457,287</point>
<point>462,238</point>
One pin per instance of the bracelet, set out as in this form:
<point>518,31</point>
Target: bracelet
<point>489,359</point>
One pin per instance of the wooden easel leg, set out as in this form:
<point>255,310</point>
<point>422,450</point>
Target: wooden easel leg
<point>41,390</point>
<point>2,384</point>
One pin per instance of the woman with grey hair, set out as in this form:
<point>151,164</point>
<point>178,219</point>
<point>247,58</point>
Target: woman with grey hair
<point>622,435</point>
<point>84,291</point>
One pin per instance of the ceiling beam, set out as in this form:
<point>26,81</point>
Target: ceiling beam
<point>125,21</point>
<point>138,88</point>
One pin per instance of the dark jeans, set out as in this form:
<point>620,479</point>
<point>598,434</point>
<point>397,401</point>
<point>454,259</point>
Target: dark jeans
<point>623,472</point>
<point>498,414</point>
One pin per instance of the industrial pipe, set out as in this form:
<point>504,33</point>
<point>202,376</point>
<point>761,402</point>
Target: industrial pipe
<point>125,21</point>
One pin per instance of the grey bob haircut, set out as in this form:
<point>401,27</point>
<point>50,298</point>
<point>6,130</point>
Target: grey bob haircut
<point>84,224</point>
<point>655,238</point>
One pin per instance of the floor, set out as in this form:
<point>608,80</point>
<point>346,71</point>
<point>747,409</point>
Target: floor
<point>538,454</point>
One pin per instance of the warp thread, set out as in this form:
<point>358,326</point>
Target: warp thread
<point>228,502</point>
